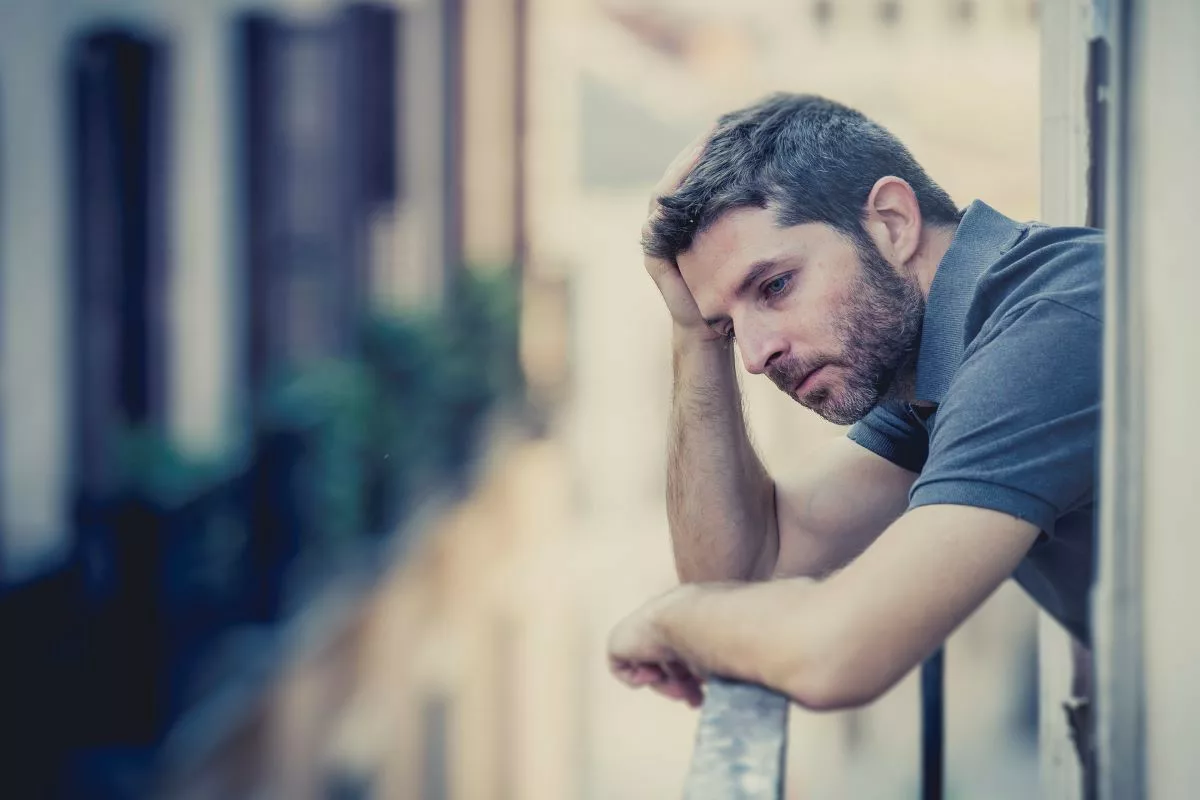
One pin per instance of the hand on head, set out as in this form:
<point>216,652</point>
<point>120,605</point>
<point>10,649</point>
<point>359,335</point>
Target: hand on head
<point>665,272</point>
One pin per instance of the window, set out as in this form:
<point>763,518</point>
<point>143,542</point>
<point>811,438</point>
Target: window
<point>117,143</point>
<point>319,141</point>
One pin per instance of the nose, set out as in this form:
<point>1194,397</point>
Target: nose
<point>760,349</point>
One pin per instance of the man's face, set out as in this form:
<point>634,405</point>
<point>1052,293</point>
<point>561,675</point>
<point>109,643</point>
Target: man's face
<point>831,324</point>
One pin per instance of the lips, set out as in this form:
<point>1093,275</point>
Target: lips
<point>794,376</point>
<point>805,382</point>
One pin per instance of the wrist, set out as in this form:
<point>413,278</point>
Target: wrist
<point>701,360</point>
<point>678,619</point>
<point>664,613</point>
<point>685,338</point>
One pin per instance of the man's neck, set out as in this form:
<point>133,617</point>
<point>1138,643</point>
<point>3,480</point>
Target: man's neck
<point>935,242</point>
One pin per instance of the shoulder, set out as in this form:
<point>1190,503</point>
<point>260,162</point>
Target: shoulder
<point>1060,265</point>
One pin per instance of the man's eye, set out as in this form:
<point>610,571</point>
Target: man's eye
<point>729,334</point>
<point>775,286</point>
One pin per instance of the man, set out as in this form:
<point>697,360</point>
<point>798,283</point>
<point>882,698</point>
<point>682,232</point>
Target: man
<point>965,348</point>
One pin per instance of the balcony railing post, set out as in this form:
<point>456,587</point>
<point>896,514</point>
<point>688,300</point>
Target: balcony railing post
<point>933,721</point>
<point>740,745</point>
<point>742,740</point>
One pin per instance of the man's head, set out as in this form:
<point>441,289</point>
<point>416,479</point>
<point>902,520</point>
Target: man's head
<point>804,228</point>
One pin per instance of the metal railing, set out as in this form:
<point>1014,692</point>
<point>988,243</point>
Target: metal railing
<point>741,743</point>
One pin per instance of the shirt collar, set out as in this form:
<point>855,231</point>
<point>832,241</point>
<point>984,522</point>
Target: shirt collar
<point>982,236</point>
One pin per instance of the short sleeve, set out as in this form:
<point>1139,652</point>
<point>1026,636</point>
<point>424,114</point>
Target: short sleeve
<point>889,431</point>
<point>1017,430</point>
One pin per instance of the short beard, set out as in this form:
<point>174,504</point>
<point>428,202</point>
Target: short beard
<point>879,329</point>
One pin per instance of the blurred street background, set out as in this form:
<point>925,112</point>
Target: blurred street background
<point>333,392</point>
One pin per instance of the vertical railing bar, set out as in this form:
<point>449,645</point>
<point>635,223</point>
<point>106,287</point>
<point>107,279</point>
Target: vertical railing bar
<point>933,726</point>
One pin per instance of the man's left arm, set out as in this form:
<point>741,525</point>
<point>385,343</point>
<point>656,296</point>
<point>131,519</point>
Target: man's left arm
<point>1013,448</point>
<point>837,643</point>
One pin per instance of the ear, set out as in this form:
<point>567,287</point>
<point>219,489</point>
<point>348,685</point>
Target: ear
<point>893,219</point>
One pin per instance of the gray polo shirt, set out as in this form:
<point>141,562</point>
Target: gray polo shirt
<point>1010,353</point>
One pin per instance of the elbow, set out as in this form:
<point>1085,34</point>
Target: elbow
<point>828,690</point>
<point>836,676</point>
<point>715,572</point>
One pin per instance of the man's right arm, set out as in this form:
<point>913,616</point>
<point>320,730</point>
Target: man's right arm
<point>729,519</point>
<point>720,499</point>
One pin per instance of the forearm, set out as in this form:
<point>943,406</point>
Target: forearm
<point>720,499</point>
<point>843,641</point>
<point>764,632</point>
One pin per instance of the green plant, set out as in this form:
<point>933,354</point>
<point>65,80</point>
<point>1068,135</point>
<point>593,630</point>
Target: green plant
<point>437,376</point>
<point>485,322</point>
<point>150,467</point>
<point>326,404</point>
<point>188,497</point>
<point>407,410</point>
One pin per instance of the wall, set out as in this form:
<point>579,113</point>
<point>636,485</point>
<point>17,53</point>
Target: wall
<point>1147,642</point>
<point>33,367</point>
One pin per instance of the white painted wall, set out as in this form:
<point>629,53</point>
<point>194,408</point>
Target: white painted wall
<point>204,307</point>
<point>1157,260</point>
<point>417,277</point>
<point>33,372</point>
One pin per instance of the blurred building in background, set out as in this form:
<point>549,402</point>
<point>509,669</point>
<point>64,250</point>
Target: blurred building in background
<point>241,348</point>
<point>281,514</point>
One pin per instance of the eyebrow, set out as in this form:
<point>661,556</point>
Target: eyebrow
<point>757,270</point>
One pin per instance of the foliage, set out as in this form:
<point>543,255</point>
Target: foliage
<point>188,500</point>
<point>407,410</point>
<point>325,404</point>
<point>152,468</point>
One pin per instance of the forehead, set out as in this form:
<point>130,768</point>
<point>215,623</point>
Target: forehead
<point>722,255</point>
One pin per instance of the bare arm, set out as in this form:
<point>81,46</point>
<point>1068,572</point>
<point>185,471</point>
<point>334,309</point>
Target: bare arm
<point>720,499</point>
<point>842,642</point>
<point>836,507</point>
<point>729,519</point>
